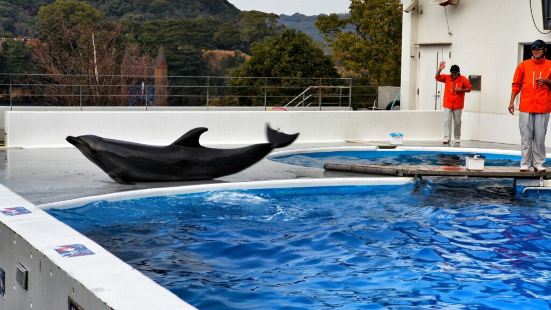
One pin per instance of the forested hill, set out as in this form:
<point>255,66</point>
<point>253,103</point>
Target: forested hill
<point>163,9</point>
<point>17,17</point>
<point>306,24</point>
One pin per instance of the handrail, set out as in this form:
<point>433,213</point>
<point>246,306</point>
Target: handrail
<point>298,96</point>
<point>320,87</point>
<point>116,90</point>
<point>304,100</point>
<point>171,76</point>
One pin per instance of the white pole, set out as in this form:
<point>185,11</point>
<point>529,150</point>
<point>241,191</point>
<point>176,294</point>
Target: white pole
<point>95,59</point>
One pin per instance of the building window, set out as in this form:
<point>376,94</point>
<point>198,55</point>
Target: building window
<point>527,52</point>
<point>546,6</point>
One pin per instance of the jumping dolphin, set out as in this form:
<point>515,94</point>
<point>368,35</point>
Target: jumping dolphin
<point>183,160</point>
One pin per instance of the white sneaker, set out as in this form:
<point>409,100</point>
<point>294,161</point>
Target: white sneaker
<point>540,168</point>
<point>524,168</point>
<point>446,141</point>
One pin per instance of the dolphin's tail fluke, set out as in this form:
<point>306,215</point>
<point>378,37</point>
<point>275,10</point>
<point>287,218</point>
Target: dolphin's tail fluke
<point>279,139</point>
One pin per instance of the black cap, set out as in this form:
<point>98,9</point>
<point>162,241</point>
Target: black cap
<point>538,45</point>
<point>454,68</point>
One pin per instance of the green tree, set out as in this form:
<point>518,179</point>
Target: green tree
<point>75,38</point>
<point>17,16</point>
<point>144,10</point>
<point>183,40</point>
<point>255,26</point>
<point>78,45</point>
<point>368,41</point>
<point>16,57</point>
<point>178,32</point>
<point>291,55</point>
<point>228,37</point>
<point>59,18</point>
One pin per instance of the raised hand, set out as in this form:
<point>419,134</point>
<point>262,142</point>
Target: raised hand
<point>442,65</point>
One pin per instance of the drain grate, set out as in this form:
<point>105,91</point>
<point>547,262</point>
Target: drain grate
<point>22,276</point>
<point>73,305</point>
<point>2,282</point>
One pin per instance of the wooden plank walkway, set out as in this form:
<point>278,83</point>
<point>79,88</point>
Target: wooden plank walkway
<point>426,170</point>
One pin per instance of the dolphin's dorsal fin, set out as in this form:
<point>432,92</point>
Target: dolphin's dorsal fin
<point>191,138</point>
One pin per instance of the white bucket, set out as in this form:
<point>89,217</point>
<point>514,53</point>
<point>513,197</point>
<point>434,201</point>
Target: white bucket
<point>475,163</point>
<point>396,138</point>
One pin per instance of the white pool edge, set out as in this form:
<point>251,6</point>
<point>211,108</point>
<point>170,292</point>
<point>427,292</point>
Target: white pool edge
<point>180,190</point>
<point>443,149</point>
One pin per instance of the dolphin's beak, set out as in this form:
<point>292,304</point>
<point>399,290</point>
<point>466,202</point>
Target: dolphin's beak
<point>74,140</point>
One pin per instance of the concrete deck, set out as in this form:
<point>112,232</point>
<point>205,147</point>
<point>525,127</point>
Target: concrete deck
<point>51,175</point>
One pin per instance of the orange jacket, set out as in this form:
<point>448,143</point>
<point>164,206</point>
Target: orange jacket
<point>533,99</point>
<point>454,100</point>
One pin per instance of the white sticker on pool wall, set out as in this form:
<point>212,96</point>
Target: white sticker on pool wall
<point>14,211</point>
<point>73,250</point>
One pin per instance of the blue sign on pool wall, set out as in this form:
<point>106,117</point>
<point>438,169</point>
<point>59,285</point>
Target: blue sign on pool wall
<point>73,250</point>
<point>2,282</point>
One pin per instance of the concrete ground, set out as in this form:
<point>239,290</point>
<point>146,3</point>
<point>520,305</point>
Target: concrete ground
<point>51,175</point>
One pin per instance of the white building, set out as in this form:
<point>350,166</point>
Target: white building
<point>486,38</point>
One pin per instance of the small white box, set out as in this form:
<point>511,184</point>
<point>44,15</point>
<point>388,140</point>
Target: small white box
<point>396,138</point>
<point>475,163</point>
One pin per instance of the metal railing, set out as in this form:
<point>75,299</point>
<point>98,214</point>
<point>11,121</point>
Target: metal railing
<point>316,93</point>
<point>146,91</point>
<point>305,95</point>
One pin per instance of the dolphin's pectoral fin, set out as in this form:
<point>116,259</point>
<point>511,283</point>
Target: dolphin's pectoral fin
<point>191,138</point>
<point>279,139</point>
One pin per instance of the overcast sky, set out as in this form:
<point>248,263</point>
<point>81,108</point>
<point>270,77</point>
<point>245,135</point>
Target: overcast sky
<point>289,7</point>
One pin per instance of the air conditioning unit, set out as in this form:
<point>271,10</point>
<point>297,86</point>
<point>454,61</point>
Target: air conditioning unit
<point>448,2</point>
<point>413,6</point>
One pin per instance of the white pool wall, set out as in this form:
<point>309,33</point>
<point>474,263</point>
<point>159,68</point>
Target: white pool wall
<point>154,108</point>
<point>49,129</point>
<point>99,281</point>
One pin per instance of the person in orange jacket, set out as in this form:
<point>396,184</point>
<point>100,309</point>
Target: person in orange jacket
<point>532,80</point>
<point>454,100</point>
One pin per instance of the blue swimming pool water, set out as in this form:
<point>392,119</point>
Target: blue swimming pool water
<point>442,244</point>
<point>394,157</point>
